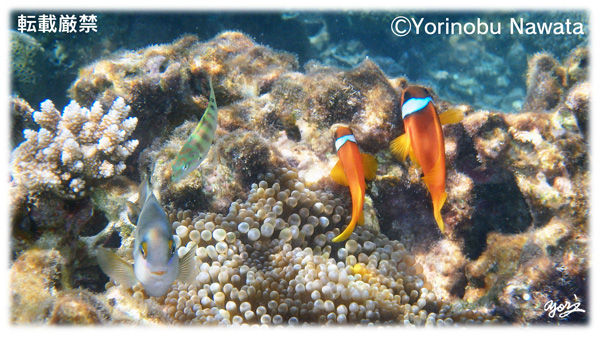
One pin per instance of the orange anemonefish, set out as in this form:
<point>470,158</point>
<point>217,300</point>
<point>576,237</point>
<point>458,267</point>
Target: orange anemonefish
<point>351,170</point>
<point>423,141</point>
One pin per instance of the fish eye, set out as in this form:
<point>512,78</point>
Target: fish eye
<point>172,246</point>
<point>185,166</point>
<point>144,249</point>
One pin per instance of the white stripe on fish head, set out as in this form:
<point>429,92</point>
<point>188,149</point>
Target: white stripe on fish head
<point>414,105</point>
<point>342,140</point>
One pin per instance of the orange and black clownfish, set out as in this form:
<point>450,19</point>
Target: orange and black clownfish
<point>351,170</point>
<point>423,141</point>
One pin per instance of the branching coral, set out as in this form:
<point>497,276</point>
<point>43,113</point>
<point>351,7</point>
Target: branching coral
<point>73,149</point>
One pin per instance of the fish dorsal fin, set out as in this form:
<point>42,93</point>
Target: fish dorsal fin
<point>338,175</point>
<point>186,266</point>
<point>116,268</point>
<point>133,212</point>
<point>144,191</point>
<point>369,164</point>
<point>451,116</point>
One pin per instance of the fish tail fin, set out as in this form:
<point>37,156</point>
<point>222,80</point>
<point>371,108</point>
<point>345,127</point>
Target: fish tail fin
<point>438,195</point>
<point>346,233</point>
<point>369,164</point>
<point>186,266</point>
<point>212,92</point>
<point>361,218</point>
<point>451,116</point>
<point>438,203</point>
<point>116,268</point>
<point>400,147</point>
<point>338,175</point>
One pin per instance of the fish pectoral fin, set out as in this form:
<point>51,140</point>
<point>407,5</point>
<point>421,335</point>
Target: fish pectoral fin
<point>413,158</point>
<point>401,147</point>
<point>451,116</point>
<point>116,268</point>
<point>369,164</point>
<point>338,175</point>
<point>186,266</point>
<point>133,212</point>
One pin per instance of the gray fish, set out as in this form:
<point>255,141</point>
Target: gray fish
<point>156,263</point>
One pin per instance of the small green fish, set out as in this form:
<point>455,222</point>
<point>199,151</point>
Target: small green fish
<point>197,145</point>
<point>156,263</point>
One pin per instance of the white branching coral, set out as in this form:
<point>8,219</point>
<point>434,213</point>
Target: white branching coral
<point>73,148</point>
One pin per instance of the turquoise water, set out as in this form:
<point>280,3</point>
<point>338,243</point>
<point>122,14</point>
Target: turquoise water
<point>476,57</point>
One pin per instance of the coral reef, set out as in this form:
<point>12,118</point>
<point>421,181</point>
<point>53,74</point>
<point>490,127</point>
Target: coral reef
<point>270,260</point>
<point>544,80</point>
<point>39,296</point>
<point>26,52</point>
<point>167,84</point>
<point>578,100</point>
<point>21,115</point>
<point>73,149</point>
<point>262,210</point>
<point>528,270</point>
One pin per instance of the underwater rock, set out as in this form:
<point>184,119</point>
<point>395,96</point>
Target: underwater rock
<point>520,273</point>
<point>577,66</point>
<point>545,153</point>
<point>165,84</point>
<point>35,276</point>
<point>578,100</point>
<point>73,150</point>
<point>544,83</point>
<point>39,295</point>
<point>26,57</point>
<point>21,117</point>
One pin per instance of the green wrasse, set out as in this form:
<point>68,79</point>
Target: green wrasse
<point>197,145</point>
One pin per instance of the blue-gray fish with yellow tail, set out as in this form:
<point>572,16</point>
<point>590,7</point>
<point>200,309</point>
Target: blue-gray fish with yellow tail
<point>197,145</point>
<point>156,263</point>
